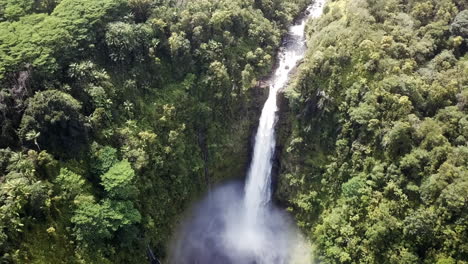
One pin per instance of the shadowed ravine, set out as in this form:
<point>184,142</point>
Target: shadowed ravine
<point>238,223</point>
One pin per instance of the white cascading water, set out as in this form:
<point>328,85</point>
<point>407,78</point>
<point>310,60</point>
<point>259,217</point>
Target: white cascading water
<point>258,186</point>
<point>236,223</point>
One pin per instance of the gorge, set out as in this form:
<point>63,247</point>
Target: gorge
<point>238,223</point>
<point>234,131</point>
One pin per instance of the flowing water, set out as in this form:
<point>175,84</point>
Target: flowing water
<point>258,186</point>
<point>238,224</point>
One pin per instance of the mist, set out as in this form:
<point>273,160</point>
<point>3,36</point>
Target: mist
<point>215,232</point>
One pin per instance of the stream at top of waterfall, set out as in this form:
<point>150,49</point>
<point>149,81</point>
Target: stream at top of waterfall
<point>237,223</point>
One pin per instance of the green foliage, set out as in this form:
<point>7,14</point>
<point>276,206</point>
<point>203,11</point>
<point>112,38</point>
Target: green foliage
<point>353,187</point>
<point>42,40</point>
<point>34,40</point>
<point>71,184</point>
<point>145,104</point>
<point>141,9</point>
<point>96,222</point>
<point>119,181</point>
<point>56,117</point>
<point>378,175</point>
<point>115,114</point>
<point>102,159</point>
<point>129,42</point>
<point>21,193</point>
<point>398,141</point>
<point>14,9</point>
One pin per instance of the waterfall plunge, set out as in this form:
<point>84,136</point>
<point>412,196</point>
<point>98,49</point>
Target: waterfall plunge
<point>258,186</point>
<point>237,224</point>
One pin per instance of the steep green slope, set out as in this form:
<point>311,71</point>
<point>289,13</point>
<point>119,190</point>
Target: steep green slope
<point>115,114</point>
<point>375,168</point>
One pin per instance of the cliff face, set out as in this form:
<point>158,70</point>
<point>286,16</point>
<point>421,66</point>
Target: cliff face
<point>283,133</point>
<point>234,157</point>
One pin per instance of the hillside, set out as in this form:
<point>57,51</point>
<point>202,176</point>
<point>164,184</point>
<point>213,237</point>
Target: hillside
<point>375,166</point>
<point>116,114</point>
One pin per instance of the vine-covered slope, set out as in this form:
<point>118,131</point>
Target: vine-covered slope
<point>376,166</point>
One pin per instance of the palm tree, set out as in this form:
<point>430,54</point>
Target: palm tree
<point>16,158</point>
<point>33,136</point>
<point>128,106</point>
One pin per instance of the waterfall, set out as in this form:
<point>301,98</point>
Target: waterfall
<point>237,223</point>
<point>258,185</point>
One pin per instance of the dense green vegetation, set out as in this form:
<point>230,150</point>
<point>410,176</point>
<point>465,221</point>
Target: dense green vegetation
<point>115,114</point>
<point>375,168</point>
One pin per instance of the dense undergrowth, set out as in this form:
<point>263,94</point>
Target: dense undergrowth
<point>115,114</point>
<point>376,166</point>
